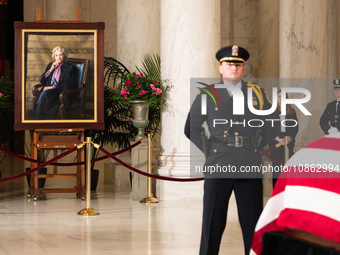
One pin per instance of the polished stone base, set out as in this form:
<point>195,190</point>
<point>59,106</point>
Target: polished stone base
<point>124,227</point>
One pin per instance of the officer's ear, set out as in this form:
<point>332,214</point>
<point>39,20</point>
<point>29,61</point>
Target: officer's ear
<point>220,68</point>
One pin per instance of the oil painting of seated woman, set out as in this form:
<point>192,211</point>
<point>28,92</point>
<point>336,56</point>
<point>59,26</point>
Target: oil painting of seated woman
<point>58,76</point>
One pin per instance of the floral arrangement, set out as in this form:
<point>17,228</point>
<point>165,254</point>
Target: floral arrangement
<point>138,86</point>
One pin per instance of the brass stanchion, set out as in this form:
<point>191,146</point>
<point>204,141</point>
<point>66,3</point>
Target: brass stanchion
<point>149,198</point>
<point>287,140</point>
<point>88,210</point>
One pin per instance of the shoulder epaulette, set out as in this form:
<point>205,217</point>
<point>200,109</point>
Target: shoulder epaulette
<point>257,89</point>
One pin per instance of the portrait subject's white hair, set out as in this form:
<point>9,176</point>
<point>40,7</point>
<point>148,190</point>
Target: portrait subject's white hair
<point>60,49</point>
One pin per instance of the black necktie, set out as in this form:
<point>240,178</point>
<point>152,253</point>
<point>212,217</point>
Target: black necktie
<point>337,106</point>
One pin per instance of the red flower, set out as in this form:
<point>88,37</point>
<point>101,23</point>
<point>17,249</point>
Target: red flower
<point>124,92</point>
<point>138,85</point>
<point>128,82</point>
<point>143,92</point>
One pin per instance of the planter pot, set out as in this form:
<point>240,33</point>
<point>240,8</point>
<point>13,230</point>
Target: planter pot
<point>41,181</point>
<point>94,178</point>
<point>140,114</point>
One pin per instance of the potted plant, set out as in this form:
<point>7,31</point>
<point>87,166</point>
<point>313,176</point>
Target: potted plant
<point>119,130</point>
<point>145,92</point>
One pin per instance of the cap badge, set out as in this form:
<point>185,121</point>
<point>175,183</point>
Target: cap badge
<point>234,50</point>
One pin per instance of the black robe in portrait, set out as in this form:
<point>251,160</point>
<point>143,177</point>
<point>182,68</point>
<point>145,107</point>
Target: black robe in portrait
<point>46,105</point>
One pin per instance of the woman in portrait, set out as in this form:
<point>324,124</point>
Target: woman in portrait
<point>59,75</point>
<point>275,133</point>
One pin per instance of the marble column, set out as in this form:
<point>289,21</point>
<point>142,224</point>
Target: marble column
<point>333,19</point>
<point>245,32</point>
<point>268,39</point>
<point>138,34</point>
<point>240,25</point>
<point>227,22</point>
<point>62,10</point>
<point>304,56</point>
<point>138,31</point>
<point>189,40</point>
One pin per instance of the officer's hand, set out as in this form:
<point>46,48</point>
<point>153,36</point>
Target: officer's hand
<point>333,130</point>
<point>280,140</point>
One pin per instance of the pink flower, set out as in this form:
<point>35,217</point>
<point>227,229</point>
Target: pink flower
<point>143,92</point>
<point>0,94</point>
<point>158,92</point>
<point>124,92</point>
<point>137,75</point>
<point>141,75</point>
<point>152,87</point>
<point>138,85</point>
<point>128,82</point>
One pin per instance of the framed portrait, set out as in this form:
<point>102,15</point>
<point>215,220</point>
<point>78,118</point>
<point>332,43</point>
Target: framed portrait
<point>59,93</point>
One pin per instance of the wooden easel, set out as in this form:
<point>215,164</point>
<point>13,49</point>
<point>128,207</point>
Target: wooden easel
<point>56,139</point>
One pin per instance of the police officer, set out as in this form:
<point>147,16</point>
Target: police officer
<point>232,144</point>
<point>330,119</point>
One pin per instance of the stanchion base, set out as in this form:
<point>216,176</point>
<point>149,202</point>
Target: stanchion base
<point>149,200</point>
<point>88,212</point>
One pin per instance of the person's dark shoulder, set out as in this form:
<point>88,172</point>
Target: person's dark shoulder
<point>330,105</point>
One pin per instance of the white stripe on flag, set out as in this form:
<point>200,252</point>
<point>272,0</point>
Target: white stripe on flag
<point>272,210</point>
<point>313,200</point>
<point>317,158</point>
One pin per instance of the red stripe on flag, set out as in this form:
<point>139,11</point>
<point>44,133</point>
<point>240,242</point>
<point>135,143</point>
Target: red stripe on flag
<point>326,143</point>
<point>311,222</point>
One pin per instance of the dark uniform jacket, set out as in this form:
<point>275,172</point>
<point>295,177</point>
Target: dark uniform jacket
<point>330,118</point>
<point>218,151</point>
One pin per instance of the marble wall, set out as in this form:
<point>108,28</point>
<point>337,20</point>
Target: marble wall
<point>138,31</point>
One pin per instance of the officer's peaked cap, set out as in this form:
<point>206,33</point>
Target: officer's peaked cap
<point>232,54</point>
<point>336,83</point>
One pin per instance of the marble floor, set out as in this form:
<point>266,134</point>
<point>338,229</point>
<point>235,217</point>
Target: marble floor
<point>51,224</point>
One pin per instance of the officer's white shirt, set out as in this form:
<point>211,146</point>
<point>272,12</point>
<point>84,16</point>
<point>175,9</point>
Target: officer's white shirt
<point>239,85</point>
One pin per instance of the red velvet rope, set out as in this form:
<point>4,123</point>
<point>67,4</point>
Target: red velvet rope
<point>291,152</point>
<point>147,174</point>
<point>111,155</point>
<point>69,164</point>
<point>40,166</point>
